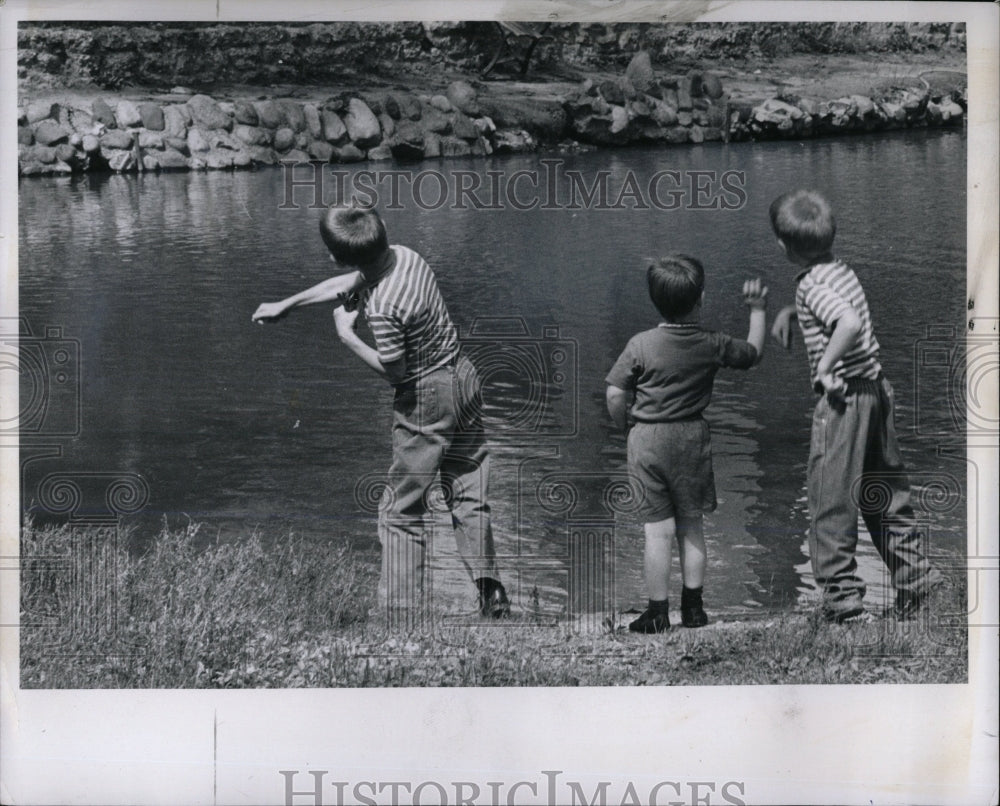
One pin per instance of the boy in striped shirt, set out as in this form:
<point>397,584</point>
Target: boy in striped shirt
<point>854,453</point>
<point>437,428</point>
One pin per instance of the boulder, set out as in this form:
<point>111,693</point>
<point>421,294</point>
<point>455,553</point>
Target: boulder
<point>392,109</point>
<point>407,142</point>
<point>262,155</point>
<point>102,113</point>
<point>295,156</point>
<point>388,125</point>
<point>205,112</point>
<point>409,106</point>
<point>513,141</point>
<point>302,141</point>
<point>121,161</point>
<point>175,122</point>
<point>81,121</point>
<point>677,135</point>
<point>362,125</point>
<point>284,139</point>
<point>269,114</point>
<point>349,153</point>
<point>217,159</point>
<point>178,144</point>
<point>49,133</point>
<point>441,103</point>
<point>640,71</point>
<point>115,139</point>
<point>619,119</point>
<point>545,119</point>
<point>696,134</point>
<point>711,86</point>
<point>683,100</point>
<point>664,114</point>
<point>127,114</point>
<point>170,159</point>
<point>432,145</point>
<point>462,126</point>
<point>434,120</point>
<point>197,140</point>
<point>628,89</point>
<point>485,126</point>
<point>334,129</point>
<point>321,150</point>
<point>452,146</point>
<point>380,153</point>
<point>295,116</point>
<point>241,159</point>
<point>243,112</point>
<point>951,110</point>
<point>684,118</point>
<point>462,96</point>
<point>41,110</point>
<point>314,124</point>
<point>149,139</point>
<point>611,91</point>
<point>152,117</point>
<point>42,154</point>
<point>863,105</point>
<point>90,143</point>
<point>24,136</point>
<point>252,135</point>
<point>481,147</point>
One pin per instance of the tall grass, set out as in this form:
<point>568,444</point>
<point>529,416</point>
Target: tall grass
<point>194,613</point>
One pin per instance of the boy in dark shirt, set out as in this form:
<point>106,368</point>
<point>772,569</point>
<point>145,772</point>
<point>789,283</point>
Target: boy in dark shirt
<point>670,371</point>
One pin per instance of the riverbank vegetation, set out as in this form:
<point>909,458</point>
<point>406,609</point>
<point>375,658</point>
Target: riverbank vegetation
<point>192,613</point>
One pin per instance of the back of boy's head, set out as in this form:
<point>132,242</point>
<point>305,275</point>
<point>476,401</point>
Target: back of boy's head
<point>675,284</point>
<point>354,235</point>
<point>804,221</point>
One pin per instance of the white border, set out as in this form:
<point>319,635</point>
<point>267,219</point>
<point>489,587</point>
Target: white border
<point>788,744</point>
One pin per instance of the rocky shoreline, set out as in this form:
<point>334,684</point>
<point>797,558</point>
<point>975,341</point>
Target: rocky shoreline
<point>188,130</point>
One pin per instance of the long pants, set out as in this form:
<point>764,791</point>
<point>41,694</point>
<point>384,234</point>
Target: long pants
<point>437,433</point>
<point>855,463</point>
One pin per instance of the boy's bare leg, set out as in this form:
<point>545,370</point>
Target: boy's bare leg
<point>660,536</point>
<point>691,546</point>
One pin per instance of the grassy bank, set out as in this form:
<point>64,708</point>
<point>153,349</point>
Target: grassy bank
<point>191,613</point>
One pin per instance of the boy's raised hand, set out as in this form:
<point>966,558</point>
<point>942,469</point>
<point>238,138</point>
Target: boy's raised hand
<point>755,294</point>
<point>781,329</point>
<point>268,312</point>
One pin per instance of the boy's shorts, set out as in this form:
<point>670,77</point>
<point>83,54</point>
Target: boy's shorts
<point>672,462</point>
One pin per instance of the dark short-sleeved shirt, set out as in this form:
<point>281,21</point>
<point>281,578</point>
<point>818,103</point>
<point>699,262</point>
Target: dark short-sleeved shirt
<point>671,369</point>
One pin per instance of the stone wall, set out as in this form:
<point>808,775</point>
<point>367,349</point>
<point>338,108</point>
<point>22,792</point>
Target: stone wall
<point>195,131</point>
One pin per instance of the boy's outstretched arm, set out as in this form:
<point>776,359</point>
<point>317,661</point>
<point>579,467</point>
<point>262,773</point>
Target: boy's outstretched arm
<point>345,322</point>
<point>781,328</point>
<point>755,296</point>
<point>332,289</point>
<point>617,400</point>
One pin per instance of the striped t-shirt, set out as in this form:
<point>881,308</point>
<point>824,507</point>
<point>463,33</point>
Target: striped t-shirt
<point>408,317</point>
<point>823,294</point>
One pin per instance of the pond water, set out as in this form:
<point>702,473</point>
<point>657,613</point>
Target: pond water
<point>279,428</point>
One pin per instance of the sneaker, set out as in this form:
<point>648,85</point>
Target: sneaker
<point>652,621</point>
<point>692,610</point>
<point>493,601</point>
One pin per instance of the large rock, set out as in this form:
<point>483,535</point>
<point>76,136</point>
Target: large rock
<point>380,153</point>
<point>362,125</point>
<point>175,122</point>
<point>321,150</point>
<point>121,161</point>
<point>619,119</point>
<point>334,129</point>
<point>407,142</point>
<point>612,92</point>
<point>41,110</point>
<point>434,120</point>
<point>463,127</point>
<point>198,140</point>
<point>252,135</point>
<point>171,159</point>
<point>127,114</point>
<point>149,139</point>
<point>432,145</point>
<point>711,86</point>
<point>462,96</point>
<point>24,136</point>
<point>269,114</point>
<point>640,72</point>
<point>178,144</point>
<point>244,113</point>
<point>49,133</point>
<point>513,141</point>
<point>91,143</point>
<point>217,159</point>
<point>81,121</point>
<point>152,117</point>
<point>664,114</point>
<point>284,139</point>
<point>295,116</point>
<point>205,112</point>
<point>349,153</point>
<point>116,139</point>
<point>388,126</point>
<point>391,107</point>
<point>409,106</point>
<point>452,146</point>
<point>314,124</point>
<point>102,113</point>
<point>441,103</point>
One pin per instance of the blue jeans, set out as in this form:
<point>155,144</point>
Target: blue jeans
<point>437,433</point>
<point>855,464</point>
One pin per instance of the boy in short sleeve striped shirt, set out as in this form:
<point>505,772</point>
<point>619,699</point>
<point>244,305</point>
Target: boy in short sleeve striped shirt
<point>854,451</point>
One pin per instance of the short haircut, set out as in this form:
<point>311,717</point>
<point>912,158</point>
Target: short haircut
<point>355,236</point>
<point>675,284</point>
<point>803,220</point>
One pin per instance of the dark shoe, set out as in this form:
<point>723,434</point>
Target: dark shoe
<point>654,620</point>
<point>493,601</point>
<point>692,612</point>
<point>845,612</point>
<point>910,603</point>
